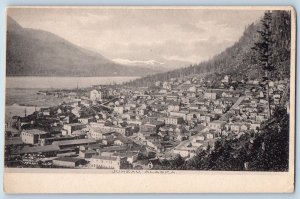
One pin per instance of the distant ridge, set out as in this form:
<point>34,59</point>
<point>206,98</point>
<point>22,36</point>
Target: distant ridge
<point>32,52</point>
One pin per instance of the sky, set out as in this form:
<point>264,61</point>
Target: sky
<point>166,38</point>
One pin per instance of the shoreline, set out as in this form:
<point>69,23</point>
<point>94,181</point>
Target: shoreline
<point>63,82</point>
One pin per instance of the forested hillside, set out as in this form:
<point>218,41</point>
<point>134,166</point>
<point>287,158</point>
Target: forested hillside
<point>239,59</point>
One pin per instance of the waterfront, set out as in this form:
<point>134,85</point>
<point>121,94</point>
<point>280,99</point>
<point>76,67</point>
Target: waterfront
<point>21,92</point>
<point>33,82</point>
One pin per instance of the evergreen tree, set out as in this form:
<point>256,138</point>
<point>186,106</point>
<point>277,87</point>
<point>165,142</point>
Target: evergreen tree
<point>264,45</point>
<point>264,50</point>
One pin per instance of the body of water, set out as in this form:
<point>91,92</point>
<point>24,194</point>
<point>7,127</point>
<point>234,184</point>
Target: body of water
<point>21,92</point>
<point>16,109</point>
<point>62,82</point>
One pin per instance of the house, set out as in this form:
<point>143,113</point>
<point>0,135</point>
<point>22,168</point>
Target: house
<point>182,114</point>
<point>123,141</point>
<point>260,118</point>
<point>68,162</point>
<point>131,157</point>
<point>106,162</point>
<point>244,127</point>
<point>255,126</point>
<point>217,125</point>
<point>85,120</point>
<point>173,106</point>
<point>232,88</point>
<point>155,144</point>
<point>210,95</point>
<point>157,83</point>
<point>198,129</point>
<point>174,120</point>
<point>141,111</point>
<point>151,127</point>
<point>163,91</point>
<point>235,127</point>
<point>109,136</point>
<point>126,131</point>
<point>192,89</point>
<point>95,95</point>
<point>271,84</point>
<point>134,122</point>
<point>86,102</point>
<point>96,127</point>
<point>219,110</point>
<point>261,94</point>
<point>197,141</point>
<point>85,152</point>
<point>118,142</point>
<point>192,115</point>
<point>33,136</point>
<point>97,132</point>
<point>107,142</point>
<point>167,85</point>
<point>157,107</point>
<point>68,129</point>
<point>98,124</point>
<point>253,115</point>
<point>194,107</point>
<point>101,134</point>
<point>172,96</point>
<point>226,79</point>
<point>281,87</point>
<point>227,94</point>
<point>45,111</point>
<point>182,136</point>
<point>287,107</point>
<point>119,109</point>
<point>209,136</point>
<point>185,148</point>
<point>206,118</point>
<point>79,134</point>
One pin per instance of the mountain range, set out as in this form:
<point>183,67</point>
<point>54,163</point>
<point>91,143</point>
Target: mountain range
<point>33,52</point>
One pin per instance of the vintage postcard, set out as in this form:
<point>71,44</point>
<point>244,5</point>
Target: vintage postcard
<point>150,99</point>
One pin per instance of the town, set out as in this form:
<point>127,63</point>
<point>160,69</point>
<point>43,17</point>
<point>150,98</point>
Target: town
<point>121,127</point>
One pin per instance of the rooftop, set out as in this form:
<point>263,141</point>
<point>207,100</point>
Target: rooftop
<point>112,158</point>
<point>37,149</point>
<point>174,117</point>
<point>68,159</point>
<point>75,124</point>
<point>35,132</point>
<point>14,141</point>
<point>74,142</point>
<point>218,121</point>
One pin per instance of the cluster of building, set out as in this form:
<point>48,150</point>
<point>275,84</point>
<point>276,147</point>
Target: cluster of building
<point>135,128</point>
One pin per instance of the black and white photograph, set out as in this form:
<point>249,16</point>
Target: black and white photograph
<point>135,90</point>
